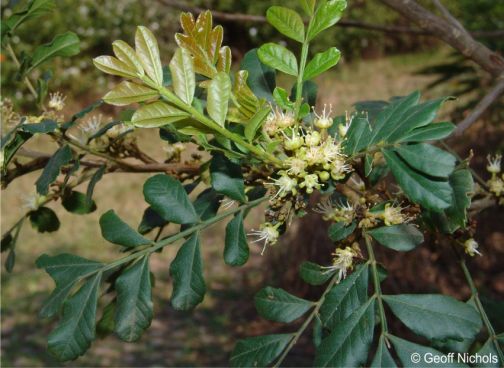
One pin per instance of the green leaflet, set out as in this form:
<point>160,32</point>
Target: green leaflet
<point>327,14</point>
<point>348,345</point>
<point>402,237</point>
<point>321,62</point>
<point>339,230</point>
<point>77,202</point>
<point>287,22</point>
<point>382,356</point>
<point>431,194</point>
<point>150,220</point>
<point>406,349</point>
<point>183,77</point>
<point>259,351</point>
<point>344,298</point>
<point>430,132</point>
<point>134,301</point>
<point>313,274</point>
<point>227,178</point>
<point>278,57</point>
<point>126,93</point>
<point>52,169</point>
<point>261,77</point>
<point>358,135</point>
<point>207,204</point>
<point>114,66</point>
<point>66,44</point>
<point>33,9</point>
<point>148,53</point>
<point>186,271</point>
<point>98,174</point>
<point>236,249</point>
<point>44,220</point>
<point>157,114</point>
<point>117,231</point>
<point>219,92</point>
<point>45,126</point>
<point>455,216</point>
<point>255,123</point>
<point>65,269</point>
<point>280,306</point>
<point>428,159</point>
<point>308,6</point>
<point>76,330</point>
<point>435,316</point>
<point>169,199</point>
<point>127,54</point>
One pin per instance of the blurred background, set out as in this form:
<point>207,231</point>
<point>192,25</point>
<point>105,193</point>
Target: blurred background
<point>375,65</point>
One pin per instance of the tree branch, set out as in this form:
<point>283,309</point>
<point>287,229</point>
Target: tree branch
<point>344,23</point>
<point>490,97</point>
<point>458,38</point>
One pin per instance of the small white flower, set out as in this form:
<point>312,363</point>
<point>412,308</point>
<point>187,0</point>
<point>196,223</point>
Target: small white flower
<point>392,215</point>
<point>342,262</point>
<point>324,120</point>
<point>57,101</point>
<point>285,185</point>
<point>496,186</point>
<point>325,208</point>
<point>339,168</point>
<point>293,142</point>
<point>343,128</point>
<point>296,166</point>
<point>91,126</point>
<point>267,233</point>
<point>310,182</point>
<point>331,150</point>
<point>32,201</point>
<point>312,139</point>
<point>471,247</point>
<point>494,164</point>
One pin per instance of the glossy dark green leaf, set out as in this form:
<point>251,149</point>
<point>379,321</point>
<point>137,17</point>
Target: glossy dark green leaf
<point>76,330</point>
<point>287,22</point>
<point>280,306</point>
<point>313,274</point>
<point>435,316</point>
<point>428,159</point>
<point>402,237</point>
<point>348,345</point>
<point>117,231</point>
<point>236,249</point>
<point>382,357</point>
<point>150,220</point>
<point>52,169</point>
<point>44,220</point>
<point>134,301</point>
<point>98,174</point>
<point>339,231</point>
<point>321,62</point>
<point>429,132</point>
<point>186,271</point>
<point>259,351</point>
<point>344,298</point>
<point>358,135</point>
<point>77,202</point>
<point>227,178</point>
<point>65,269</point>
<point>168,198</point>
<point>278,57</point>
<point>455,216</point>
<point>45,126</point>
<point>414,355</point>
<point>261,78</point>
<point>207,204</point>
<point>326,15</point>
<point>219,92</point>
<point>431,194</point>
<point>65,45</point>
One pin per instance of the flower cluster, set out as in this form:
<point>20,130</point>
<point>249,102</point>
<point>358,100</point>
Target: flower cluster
<point>495,183</point>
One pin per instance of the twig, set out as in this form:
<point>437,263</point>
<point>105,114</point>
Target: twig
<point>344,23</point>
<point>18,65</point>
<point>481,107</point>
<point>462,41</point>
